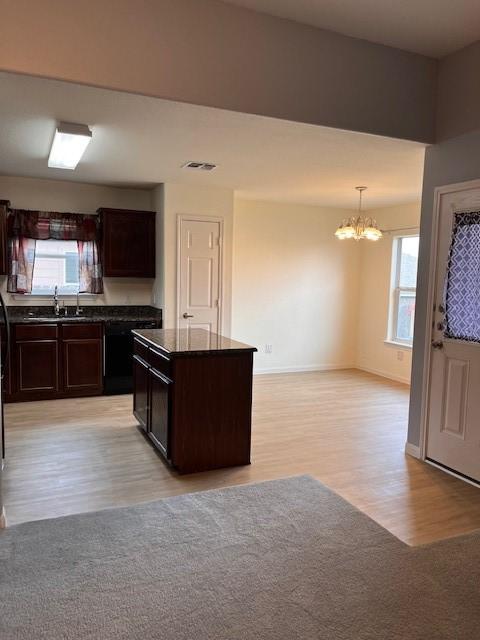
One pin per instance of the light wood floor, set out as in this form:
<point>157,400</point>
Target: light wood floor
<point>346,428</point>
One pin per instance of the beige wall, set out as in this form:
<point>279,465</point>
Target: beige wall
<point>373,354</point>
<point>211,53</point>
<point>171,200</point>
<point>453,161</point>
<point>458,101</point>
<point>57,195</point>
<point>294,286</point>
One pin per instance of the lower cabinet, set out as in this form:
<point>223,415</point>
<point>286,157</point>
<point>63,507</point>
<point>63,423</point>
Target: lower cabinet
<point>55,361</point>
<point>159,410</point>
<point>151,403</point>
<point>195,409</point>
<point>37,367</point>
<point>141,391</point>
<point>82,355</point>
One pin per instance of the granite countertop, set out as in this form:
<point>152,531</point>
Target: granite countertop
<point>190,341</point>
<point>90,313</point>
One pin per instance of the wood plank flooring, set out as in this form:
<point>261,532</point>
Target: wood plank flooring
<point>346,428</point>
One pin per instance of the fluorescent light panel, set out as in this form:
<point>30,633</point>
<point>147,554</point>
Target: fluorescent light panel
<point>69,144</point>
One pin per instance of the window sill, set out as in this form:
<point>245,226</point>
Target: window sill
<point>398,345</point>
<point>61,296</point>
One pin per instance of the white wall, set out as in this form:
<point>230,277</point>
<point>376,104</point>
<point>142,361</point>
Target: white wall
<point>171,200</point>
<point>374,286</point>
<point>294,286</point>
<point>58,195</point>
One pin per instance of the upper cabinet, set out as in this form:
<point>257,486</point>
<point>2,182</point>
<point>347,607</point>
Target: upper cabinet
<point>4,205</point>
<point>128,242</point>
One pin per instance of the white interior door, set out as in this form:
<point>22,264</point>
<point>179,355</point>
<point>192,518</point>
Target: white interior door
<point>199,277</point>
<point>453,422</point>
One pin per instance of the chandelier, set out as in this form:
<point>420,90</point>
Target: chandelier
<point>359,227</point>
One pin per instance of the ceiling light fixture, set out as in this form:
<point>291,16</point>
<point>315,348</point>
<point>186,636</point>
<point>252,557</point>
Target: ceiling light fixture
<point>69,144</point>
<point>359,227</point>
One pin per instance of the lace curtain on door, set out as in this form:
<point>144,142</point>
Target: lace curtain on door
<point>462,290</point>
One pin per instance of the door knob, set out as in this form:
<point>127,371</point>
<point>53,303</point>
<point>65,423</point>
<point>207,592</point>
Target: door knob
<point>437,344</point>
<point>187,315</point>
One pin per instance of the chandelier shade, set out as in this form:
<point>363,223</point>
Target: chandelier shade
<point>359,227</point>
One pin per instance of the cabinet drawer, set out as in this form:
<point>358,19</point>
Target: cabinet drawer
<point>160,362</point>
<point>36,331</point>
<point>79,331</point>
<point>140,349</point>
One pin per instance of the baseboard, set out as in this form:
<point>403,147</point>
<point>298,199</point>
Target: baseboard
<point>412,450</point>
<point>303,368</point>
<point>384,374</point>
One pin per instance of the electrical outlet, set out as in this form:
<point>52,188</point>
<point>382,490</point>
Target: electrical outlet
<point>268,348</point>
<point>400,355</point>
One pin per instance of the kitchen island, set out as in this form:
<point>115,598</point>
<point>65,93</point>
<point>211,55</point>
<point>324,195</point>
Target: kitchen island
<point>193,397</point>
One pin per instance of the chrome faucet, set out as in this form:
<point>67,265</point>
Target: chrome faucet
<point>78,312</point>
<point>56,306</point>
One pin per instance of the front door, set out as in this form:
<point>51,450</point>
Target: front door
<point>453,427</point>
<point>199,265</point>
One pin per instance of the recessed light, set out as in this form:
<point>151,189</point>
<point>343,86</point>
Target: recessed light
<point>69,144</point>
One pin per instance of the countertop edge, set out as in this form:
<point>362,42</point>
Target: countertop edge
<point>196,352</point>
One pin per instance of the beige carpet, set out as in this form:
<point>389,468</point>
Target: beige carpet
<point>281,560</point>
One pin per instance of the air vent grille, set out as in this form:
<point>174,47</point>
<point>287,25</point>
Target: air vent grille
<point>199,166</point>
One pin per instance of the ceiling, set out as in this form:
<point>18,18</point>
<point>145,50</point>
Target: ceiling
<point>431,27</point>
<point>140,142</point>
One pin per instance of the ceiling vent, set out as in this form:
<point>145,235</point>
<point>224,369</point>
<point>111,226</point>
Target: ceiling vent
<point>199,166</point>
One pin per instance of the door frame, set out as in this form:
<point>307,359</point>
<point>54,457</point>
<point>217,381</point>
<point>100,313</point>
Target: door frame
<point>185,217</point>
<point>439,192</point>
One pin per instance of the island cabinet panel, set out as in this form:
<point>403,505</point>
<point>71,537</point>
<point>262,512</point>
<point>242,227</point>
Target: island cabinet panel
<point>128,243</point>
<point>159,425</point>
<point>195,407</point>
<point>212,405</point>
<point>141,391</point>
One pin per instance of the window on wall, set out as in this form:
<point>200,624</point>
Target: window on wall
<point>404,281</point>
<point>56,264</point>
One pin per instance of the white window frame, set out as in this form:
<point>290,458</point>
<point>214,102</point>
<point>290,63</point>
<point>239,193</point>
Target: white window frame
<point>396,290</point>
<point>41,254</point>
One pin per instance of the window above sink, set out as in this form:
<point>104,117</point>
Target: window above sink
<point>56,264</point>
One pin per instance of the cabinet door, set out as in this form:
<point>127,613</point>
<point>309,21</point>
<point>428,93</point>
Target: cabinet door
<point>36,363</point>
<point>159,411</point>
<point>128,243</point>
<point>83,366</point>
<point>4,204</point>
<point>140,392</point>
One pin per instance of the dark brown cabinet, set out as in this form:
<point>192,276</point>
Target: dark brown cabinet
<point>128,243</point>
<point>141,391</point>
<point>37,367</point>
<point>151,398</point>
<point>195,409</point>
<point>55,361</point>
<point>34,360</point>
<point>4,206</point>
<point>82,353</point>
<point>160,387</point>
